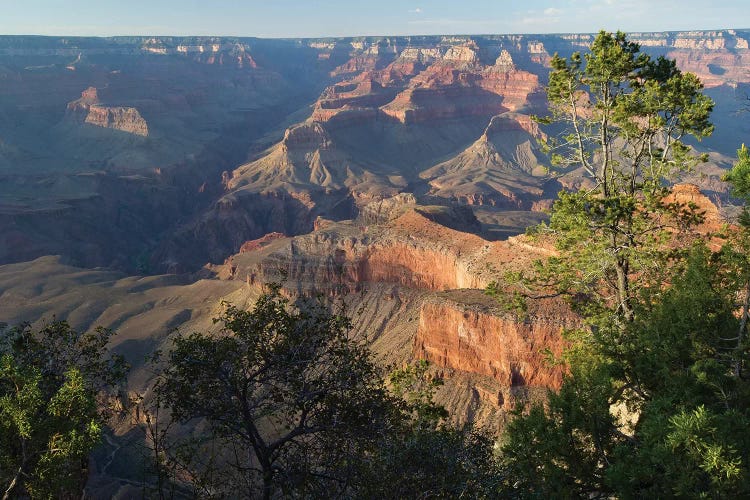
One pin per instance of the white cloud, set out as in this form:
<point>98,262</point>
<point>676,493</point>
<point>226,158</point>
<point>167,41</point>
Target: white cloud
<point>415,11</point>
<point>551,11</point>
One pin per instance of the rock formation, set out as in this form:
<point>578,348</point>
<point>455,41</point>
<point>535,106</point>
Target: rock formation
<point>88,110</point>
<point>459,327</point>
<point>503,168</point>
<point>468,331</point>
<point>393,174</point>
<point>442,117</point>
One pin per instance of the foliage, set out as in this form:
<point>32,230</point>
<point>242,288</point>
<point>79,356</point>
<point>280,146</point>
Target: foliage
<point>51,415</point>
<point>284,401</point>
<point>432,463</point>
<point>288,397</point>
<point>413,385</point>
<point>423,456</point>
<point>657,416</point>
<point>625,116</point>
<point>654,404</point>
<point>739,175</point>
<point>735,254</point>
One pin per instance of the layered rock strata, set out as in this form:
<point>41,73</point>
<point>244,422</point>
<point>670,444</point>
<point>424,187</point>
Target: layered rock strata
<point>88,110</point>
<point>440,273</point>
<point>468,331</point>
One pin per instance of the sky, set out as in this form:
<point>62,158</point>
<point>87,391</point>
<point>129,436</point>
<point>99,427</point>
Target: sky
<point>320,18</point>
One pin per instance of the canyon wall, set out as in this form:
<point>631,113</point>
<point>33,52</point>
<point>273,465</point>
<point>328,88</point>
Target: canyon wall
<point>468,331</point>
<point>298,129</point>
<point>393,175</point>
<point>441,272</point>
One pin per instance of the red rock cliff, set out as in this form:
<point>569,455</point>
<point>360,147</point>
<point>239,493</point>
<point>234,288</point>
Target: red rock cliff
<point>467,331</point>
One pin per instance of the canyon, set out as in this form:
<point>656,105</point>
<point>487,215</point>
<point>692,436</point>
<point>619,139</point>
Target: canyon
<point>146,180</point>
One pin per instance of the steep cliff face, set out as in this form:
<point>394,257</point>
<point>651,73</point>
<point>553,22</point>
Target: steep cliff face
<point>207,50</point>
<point>395,241</point>
<point>459,327</point>
<point>359,98</point>
<point>467,331</point>
<point>119,118</point>
<point>125,119</point>
<point>421,105</point>
<point>455,83</point>
<point>427,83</point>
<point>437,274</point>
<point>346,256</point>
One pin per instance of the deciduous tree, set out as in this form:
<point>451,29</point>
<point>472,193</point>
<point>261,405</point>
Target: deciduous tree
<point>289,399</point>
<point>52,410</point>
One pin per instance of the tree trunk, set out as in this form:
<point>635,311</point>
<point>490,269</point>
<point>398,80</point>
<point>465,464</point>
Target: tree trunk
<point>623,291</point>
<point>267,483</point>
<point>13,483</point>
<point>741,333</point>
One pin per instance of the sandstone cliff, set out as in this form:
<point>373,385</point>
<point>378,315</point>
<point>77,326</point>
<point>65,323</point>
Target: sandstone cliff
<point>88,110</point>
<point>460,330</point>
<point>468,331</point>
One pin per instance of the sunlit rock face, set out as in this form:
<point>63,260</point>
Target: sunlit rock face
<point>229,139</point>
<point>469,332</point>
<point>88,110</point>
<point>394,175</point>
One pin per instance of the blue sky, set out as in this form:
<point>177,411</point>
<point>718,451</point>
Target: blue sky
<point>316,18</point>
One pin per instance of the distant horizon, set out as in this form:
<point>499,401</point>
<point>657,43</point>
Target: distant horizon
<point>298,19</point>
<point>413,35</point>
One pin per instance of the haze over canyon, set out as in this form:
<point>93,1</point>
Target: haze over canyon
<point>144,180</point>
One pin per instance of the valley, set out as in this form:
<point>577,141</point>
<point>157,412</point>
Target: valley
<point>144,181</point>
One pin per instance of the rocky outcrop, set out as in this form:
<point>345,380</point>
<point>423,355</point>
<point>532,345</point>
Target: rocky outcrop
<point>345,258</point>
<point>689,198</point>
<point>207,50</point>
<point>119,118</point>
<point>503,168</point>
<point>383,211</point>
<point>253,245</point>
<point>305,156</point>
<point>468,331</point>
<point>406,246</point>
<point>429,279</point>
<point>88,110</point>
<point>355,99</point>
<point>455,83</point>
<point>428,83</point>
<point>421,105</point>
